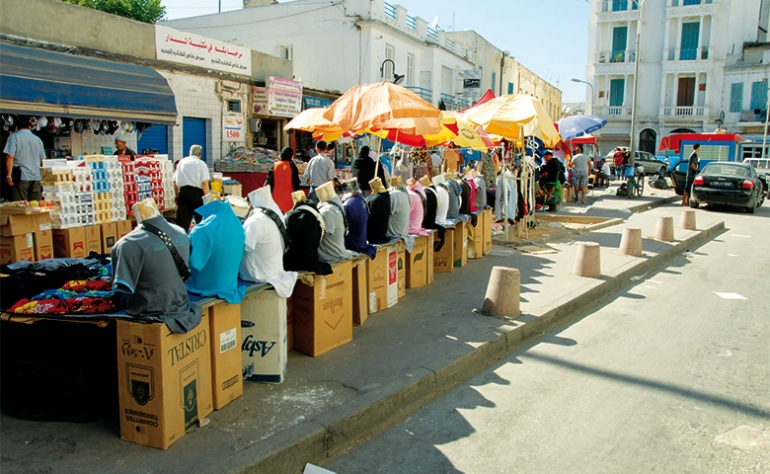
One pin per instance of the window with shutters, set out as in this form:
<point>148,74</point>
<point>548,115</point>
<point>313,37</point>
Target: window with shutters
<point>736,97</point>
<point>410,69</point>
<point>758,96</point>
<point>617,92</point>
<point>619,41</point>
<point>689,45</point>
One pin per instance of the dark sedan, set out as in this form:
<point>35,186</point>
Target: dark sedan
<point>731,184</point>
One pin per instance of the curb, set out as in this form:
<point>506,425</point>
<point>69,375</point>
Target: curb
<point>652,205</point>
<point>373,412</point>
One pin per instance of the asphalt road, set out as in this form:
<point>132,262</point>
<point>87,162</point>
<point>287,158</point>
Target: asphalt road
<point>671,376</point>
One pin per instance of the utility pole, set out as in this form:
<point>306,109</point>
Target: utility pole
<point>637,60</point>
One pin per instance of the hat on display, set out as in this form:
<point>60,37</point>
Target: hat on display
<point>113,127</point>
<point>239,205</point>
<point>425,181</point>
<point>79,126</point>
<point>395,181</point>
<point>438,180</point>
<point>298,196</point>
<point>376,186</point>
<point>325,192</point>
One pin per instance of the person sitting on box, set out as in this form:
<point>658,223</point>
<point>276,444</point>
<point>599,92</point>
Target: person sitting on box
<point>266,240</point>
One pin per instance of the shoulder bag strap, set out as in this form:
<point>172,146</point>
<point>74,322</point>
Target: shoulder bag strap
<point>184,270</point>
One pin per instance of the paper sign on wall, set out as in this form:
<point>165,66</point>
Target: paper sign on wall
<point>233,128</point>
<point>196,50</point>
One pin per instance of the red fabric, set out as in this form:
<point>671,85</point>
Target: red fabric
<point>282,186</point>
<point>249,181</point>
<point>488,95</point>
<point>674,141</point>
<point>584,140</point>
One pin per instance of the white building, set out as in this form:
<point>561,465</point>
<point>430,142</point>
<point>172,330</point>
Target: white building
<point>336,45</point>
<point>693,73</point>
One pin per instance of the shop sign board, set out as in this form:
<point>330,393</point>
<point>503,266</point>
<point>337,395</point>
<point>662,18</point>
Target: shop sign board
<point>472,83</point>
<point>195,50</point>
<point>259,99</point>
<point>284,97</point>
<point>233,129</point>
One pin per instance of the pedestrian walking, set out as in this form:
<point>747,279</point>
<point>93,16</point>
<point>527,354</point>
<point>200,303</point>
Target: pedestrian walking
<point>693,166</point>
<point>24,157</point>
<point>580,174</point>
<point>320,169</point>
<point>283,180</point>
<point>192,183</point>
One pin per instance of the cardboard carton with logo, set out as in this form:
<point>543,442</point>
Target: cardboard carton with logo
<point>487,233</point>
<point>476,237</point>
<point>70,243</point>
<point>109,236</point>
<point>443,258</point>
<point>323,311</point>
<point>401,270</point>
<point>17,248</point>
<point>429,258</point>
<point>122,228</point>
<point>417,263</point>
<point>225,323</point>
<point>460,254</point>
<point>360,293</point>
<point>264,352</point>
<point>43,245</point>
<point>289,324</point>
<point>164,381</point>
<point>382,278</point>
<point>20,221</point>
<point>93,239</point>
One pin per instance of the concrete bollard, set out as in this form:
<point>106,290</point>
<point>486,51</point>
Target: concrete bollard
<point>503,290</point>
<point>631,242</point>
<point>687,219</point>
<point>588,260</point>
<point>664,231</point>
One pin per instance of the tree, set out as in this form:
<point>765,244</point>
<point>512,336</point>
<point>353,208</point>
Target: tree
<point>146,11</point>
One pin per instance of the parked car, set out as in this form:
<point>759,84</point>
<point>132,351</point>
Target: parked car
<point>652,164</point>
<point>727,183</point>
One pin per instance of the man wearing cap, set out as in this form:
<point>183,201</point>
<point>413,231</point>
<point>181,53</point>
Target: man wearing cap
<point>122,149</point>
<point>24,156</point>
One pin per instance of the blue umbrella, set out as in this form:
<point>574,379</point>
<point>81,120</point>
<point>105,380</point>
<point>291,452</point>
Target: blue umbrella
<point>577,125</point>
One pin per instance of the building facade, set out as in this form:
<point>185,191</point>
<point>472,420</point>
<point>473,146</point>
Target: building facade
<point>690,54</point>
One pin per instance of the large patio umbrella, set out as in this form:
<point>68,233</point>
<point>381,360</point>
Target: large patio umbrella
<point>514,117</point>
<point>384,106</point>
<point>578,125</point>
<point>312,120</point>
<point>455,128</point>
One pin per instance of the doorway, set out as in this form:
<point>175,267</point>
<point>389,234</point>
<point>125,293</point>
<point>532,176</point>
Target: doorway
<point>647,140</point>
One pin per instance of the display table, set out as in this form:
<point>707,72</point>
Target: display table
<point>249,181</point>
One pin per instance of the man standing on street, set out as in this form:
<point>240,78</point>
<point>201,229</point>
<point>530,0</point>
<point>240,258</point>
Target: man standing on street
<point>580,174</point>
<point>24,157</point>
<point>192,182</point>
<point>320,169</point>
<point>692,170</point>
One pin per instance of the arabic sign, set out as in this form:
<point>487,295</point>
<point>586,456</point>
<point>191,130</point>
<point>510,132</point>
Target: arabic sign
<point>284,97</point>
<point>259,98</point>
<point>195,50</point>
<point>233,128</point>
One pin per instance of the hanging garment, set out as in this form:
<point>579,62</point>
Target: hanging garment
<point>305,227</point>
<point>443,206</point>
<point>217,250</point>
<point>379,218</point>
<point>480,199</point>
<point>455,194</point>
<point>264,252</point>
<point>145,270</point>
<point>416,213</point>
<point>398,225</point>
<point>473,195</point>
<point>358,217</point>
<point>332,247</point>
<point>512,195</point>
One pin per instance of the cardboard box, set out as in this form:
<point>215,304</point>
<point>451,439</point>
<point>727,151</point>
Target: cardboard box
<point>417,263</point>
<point>429,259</point>
<point>109,236</point>
<point>289,324</point>
<point>16,248</point>
<point>226,379</point>
<point>122,228</point>
<point>164,381</point>
<point>232,190</point>
<point>460,254</point>
<point>43,245</point>
<point>489,218</point>
<point>20,224</point>
<point>323,313</point>
<point>264,352</point>
<point>93,239</point>
<point>476,237</point>
<point>381,285</point>
<point>443,259</point>
<point>360,293</point>
<point>69,243</point>
<point>401,270</point>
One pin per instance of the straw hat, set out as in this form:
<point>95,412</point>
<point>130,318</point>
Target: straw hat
<point>325,192</point>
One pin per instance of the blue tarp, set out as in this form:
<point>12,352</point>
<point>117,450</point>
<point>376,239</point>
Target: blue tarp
<point>41,82</point>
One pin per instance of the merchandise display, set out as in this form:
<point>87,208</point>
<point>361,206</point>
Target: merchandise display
<point>442,193</point>
<point>332,247</point>
<point>248,160</point>
<point>217,250</point>
<point>419,204</point>
<point>358,218</point>
<point>455,196</point>
<point>305,227</point>
<point>378,204</point>
<point>400,208</point>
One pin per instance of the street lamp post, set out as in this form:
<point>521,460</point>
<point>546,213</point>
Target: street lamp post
<point>591,102</point>
<point>764,135</point>
<point>397,78</point>
<point>637,59</point>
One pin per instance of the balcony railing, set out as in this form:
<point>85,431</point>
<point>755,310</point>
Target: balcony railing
<point>611,111</point>
<point>450,44</point>
<point>684,3</point>
<point>390,10</point>
<point>454,103</point>
<point>628,55</point>
<point>688,54</point>
<point>617,5</point>
<point>411,23</point>
<point>432,34</point>
<point>685,111</point>
<point>425,94</point>
<point>752,115</point>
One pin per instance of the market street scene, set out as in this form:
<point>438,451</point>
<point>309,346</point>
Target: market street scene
<point>356,236</point>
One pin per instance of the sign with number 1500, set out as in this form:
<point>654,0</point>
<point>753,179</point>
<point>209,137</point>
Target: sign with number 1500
<point>232,128</point>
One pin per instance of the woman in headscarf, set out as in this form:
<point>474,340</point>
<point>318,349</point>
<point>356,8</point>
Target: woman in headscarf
<point>283,180</point>
<point>362,169</point>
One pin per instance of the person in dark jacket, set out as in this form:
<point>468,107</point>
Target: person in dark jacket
<point>362,169</point>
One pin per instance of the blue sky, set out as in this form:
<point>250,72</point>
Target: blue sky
<point>547,36</point>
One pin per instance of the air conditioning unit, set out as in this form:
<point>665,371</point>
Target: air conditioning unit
<point>255,125</point>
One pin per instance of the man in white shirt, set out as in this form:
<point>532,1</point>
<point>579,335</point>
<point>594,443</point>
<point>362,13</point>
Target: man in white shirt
<point>580,174</point>
<point>320,169</point>
<point>603,177</point>
<point>192,183</point>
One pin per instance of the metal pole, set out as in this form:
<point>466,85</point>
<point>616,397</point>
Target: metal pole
<point>591,102</point>
<point>220,6</point>
<point>637,59</point>
<point>764,136</point>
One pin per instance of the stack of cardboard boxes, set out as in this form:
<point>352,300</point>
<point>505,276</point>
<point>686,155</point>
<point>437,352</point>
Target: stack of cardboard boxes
<point>26,234</point>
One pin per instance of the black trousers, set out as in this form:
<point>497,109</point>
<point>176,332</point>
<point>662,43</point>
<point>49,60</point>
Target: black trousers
<point>190,198</point>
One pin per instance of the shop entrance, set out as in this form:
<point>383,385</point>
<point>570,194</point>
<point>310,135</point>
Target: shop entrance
<point>155,140</point>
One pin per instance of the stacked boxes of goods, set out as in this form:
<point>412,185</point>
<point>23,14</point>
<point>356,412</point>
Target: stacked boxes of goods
<point>84,195</point>
<point>59,186</point>
<point>149,180</point>
<point>100,184</point>
<point>117,188</point>
<point>130,188</point>
<point>167,175</point>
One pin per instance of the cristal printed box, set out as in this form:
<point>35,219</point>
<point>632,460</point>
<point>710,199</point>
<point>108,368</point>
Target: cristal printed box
<point>164,381</point>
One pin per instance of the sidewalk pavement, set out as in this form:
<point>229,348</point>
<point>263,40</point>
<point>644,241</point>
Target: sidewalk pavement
<point>400,360</point>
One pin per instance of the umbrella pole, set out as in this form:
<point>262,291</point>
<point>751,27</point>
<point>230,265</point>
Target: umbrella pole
<point>504,190</point>
<point>377,162</point>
